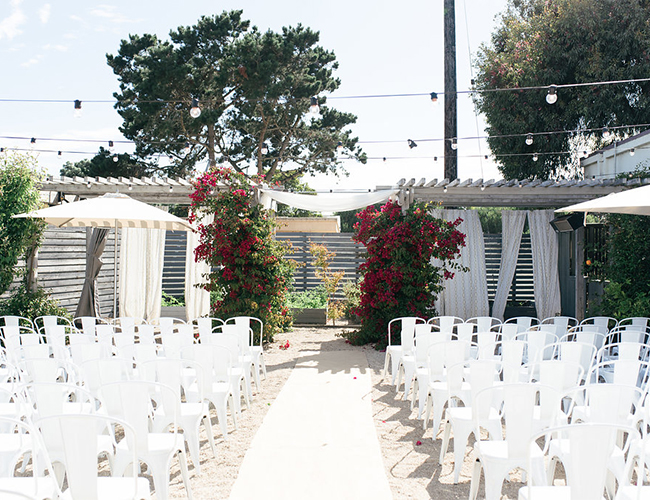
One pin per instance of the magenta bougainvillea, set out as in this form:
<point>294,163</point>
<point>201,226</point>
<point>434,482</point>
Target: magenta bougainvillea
<point>249,272</point>
<point>399,278</point>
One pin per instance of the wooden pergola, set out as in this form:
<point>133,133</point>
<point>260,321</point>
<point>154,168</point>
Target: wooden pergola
<point>457,193</point>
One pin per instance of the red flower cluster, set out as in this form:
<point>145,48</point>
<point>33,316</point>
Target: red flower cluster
<point>249,272</point>
<point>398,276</point>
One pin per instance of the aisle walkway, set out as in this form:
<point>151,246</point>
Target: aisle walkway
<point>318,440</point>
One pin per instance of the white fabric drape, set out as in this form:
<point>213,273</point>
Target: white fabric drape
<point>141,265</point>
<point>545,256</point>
<point>512,227</point>
<point>326,202</point>
<point>466,295</point>
<point>197,300</point>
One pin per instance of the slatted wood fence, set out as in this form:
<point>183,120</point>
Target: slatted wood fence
<point>62,260</point>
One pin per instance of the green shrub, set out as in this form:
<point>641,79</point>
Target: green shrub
<point>171,301</point>
<point>31,304</point>
<point>316,298</point>
<point>619,302</point>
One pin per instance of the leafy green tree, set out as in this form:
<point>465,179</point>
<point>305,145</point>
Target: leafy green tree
<point>103,164</point>
<point>19,193</point>
<point>254,91</point>
<point>545,42</point>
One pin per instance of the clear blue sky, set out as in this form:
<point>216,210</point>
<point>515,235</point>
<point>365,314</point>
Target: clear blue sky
<point>57,51</point>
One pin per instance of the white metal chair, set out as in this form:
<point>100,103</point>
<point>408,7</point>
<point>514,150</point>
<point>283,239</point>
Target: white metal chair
<point>589,449</point>
<point>523,322</point>
<point>445,323</point>
<point>256,347</point>
<point>215,385</point>
<point>516,405</point>
<point>174,373</point>
<point>132,401</point>
<point>405,327</point>
<point>480,375</point>
<point>74,435</point>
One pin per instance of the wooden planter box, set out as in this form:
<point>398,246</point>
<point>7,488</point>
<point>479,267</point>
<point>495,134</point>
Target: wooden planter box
<point>173,312</point>
<point>309,316</point>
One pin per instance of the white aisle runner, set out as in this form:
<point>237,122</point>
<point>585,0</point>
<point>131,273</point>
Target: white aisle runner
<point>318,440</point>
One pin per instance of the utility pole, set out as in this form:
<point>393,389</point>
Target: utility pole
<point>451,127</point>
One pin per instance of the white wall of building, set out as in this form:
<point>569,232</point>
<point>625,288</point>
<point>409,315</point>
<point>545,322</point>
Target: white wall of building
<point>618,158</point>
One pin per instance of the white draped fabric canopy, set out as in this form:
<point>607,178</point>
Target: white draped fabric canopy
<point>197,299</point>
<point>466,295</point>
<point>326,202</point>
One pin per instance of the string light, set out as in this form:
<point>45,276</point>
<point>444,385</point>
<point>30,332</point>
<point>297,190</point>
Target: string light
<point>454,144</point>
<point>314,108</point>
<point>551,97</point>
<point>434,97</point>
<point>435,158</point>
<point>632,151</point>
<point>265,149</point>
<point>529,139</point>
<point>77,108</point>
<point>115,159</point>
<point>59,153</point>
<point>186,149</point>
<point>606,133</point>
<point>88,185</point>
<point>171,188</point>
<point>111,145</point>
<point>33,140</point>
<point>339,146</point>
<point>535,157</point>
<point>195,110</point>
<point>411,144</point>
<point>130,187</point>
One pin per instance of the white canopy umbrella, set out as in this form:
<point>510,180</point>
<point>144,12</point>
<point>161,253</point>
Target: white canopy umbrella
<point>632,201</point>
<point>112,210</point>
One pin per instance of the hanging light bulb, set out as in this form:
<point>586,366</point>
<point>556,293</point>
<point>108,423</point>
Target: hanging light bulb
<point>115,159</point>
<point>195,111</point>
<point>59,153</point>
<point>632,152</point>
<point>77,108</point>
<point>186,149</point>
<point>33,140</point>
<point>445,189</point>
<point>435,158</point>
<point>535,157</point>
<point>454,144</point>
<point>411,144</point>
<point>264,149</point>
<point>171,188</point>
<point>606,133</point>
<point>130,187</point>
<point>529,139</point>
<point>434,98</point>
<point>314,109</point>
<point>339,147</point>
<point>551,97</point>
<point>88,185</point>
<point>486,157</point>
<point>482,187</point>
<point>384,159</point>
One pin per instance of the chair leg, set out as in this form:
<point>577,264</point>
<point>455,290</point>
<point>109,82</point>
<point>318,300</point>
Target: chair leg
<point>386,361</point>
<point>445,440</point>
<point>191,435</point>
<point>427,413</point>
<point>476,477</point>
<point>208,431</point>
<point>182,458</point>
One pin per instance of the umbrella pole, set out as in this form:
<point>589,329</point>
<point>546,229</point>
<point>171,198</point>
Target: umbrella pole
<point>115,272</point>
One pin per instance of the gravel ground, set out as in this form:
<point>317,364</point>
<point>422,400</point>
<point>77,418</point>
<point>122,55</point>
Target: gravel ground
<point>412,469</point>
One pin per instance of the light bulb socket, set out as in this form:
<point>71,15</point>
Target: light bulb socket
<point>454,144</point>
<point>314,108</point>
<point>529,139</point>
<point>339,146</point>
<point>434,97</point>
<point>77,108</point>
<point>33,140</point>
<point>435,158</point>
<point>606,133</point>
<point>59,153</point>
<point>111,144</point>
<point>88,184</point>
<point>535,157</point>
<point>632,151</point>
<point>264,149</point>
<point>411,144</point>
